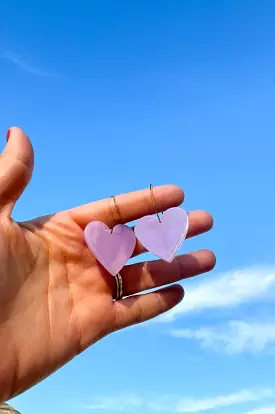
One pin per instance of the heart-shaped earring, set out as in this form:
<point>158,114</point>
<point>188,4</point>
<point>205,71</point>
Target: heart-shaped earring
<point>163,236</point>
<point>111,247</point>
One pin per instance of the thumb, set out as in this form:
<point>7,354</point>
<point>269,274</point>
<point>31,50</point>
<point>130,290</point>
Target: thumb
<point>16,166</point>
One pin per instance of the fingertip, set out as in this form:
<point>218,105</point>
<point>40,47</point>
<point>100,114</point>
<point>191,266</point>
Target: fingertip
<point>174,294</point>
<point>19,145</point>
<point>178,193</point>
<point>213,260</point>
<point>206,220</point>
<point>10,132</point>
<point>15,130</point>
<point>179,292</point>
<point>208,259</point>
<point>170,194</point>
<point>209,220</point>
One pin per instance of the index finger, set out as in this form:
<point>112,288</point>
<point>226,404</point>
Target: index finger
<point>128,207</point>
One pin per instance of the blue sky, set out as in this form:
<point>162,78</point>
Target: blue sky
<point>118,94</point>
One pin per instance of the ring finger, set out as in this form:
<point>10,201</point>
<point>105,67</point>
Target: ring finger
<point>149,275</point>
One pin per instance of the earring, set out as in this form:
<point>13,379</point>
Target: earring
<point>163,236</point>
<point>111,247</point>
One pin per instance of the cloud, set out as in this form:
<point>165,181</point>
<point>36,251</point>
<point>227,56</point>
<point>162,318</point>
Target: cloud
<point>233,337</point>
<point>243,396</point>
<point>263,410</point>
<point>14,58</point>
<point>131,402</point>
<point>117,403</point>
<point>230,289</point>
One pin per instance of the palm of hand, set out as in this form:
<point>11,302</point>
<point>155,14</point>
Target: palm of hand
<point>55,299</point>
<point>58,300</point>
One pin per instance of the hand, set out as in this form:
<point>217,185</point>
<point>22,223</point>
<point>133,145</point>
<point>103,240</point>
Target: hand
<point>55,299</point>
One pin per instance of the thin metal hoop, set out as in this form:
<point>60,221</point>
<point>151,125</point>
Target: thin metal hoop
<point>154,202</point>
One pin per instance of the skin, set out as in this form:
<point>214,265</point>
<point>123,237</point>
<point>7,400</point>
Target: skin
<point>55,298</point>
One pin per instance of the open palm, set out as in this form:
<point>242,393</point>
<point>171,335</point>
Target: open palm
<point>55,298</point>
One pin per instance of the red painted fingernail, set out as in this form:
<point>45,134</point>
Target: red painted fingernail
<point>8,134</point>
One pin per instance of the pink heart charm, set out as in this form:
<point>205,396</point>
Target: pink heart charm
<point>163,239</point>
<point>111,249</point>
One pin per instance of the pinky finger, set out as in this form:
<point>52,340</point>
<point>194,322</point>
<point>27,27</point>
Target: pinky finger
<point>140,308</point>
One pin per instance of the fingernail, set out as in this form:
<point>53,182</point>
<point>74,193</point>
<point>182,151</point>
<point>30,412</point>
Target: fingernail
<point>8,134</point>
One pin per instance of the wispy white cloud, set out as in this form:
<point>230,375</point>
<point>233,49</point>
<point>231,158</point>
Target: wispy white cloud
<point>131,402</point>
<point>243,396</point>
<point>263,410</point>
<point>230,289</point>
<point>22,64</point>
<point>116,403</point>
<point>233,337</point>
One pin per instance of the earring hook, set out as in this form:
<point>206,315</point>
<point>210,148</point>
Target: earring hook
<point>116,215</point>
<point>154,202</point>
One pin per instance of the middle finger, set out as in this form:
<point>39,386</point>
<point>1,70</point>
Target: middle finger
<point>149,275</point>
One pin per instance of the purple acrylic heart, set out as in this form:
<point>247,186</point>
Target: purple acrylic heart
<point>111,249</point>
<point>163,239</point>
